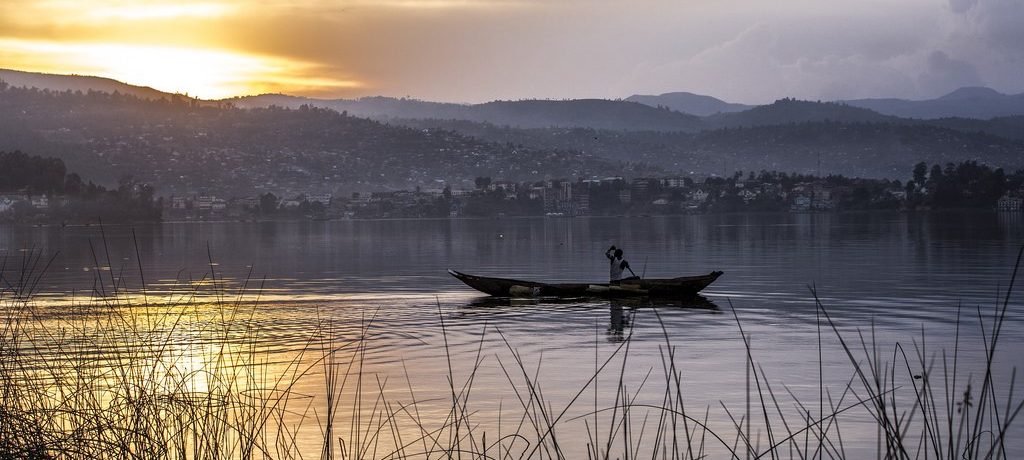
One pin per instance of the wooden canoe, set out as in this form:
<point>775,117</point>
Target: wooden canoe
<point>685,286</point>
<point>694,302</point>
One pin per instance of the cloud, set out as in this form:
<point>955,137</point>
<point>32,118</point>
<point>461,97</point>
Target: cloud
<point>961,6</point>
<point>199,72</point>
<point>1000,23</point>
<point>476,50</point>
<point>944,74</point>
<point>909,50</point>
<point>770,61</point>
<point>989,35</point>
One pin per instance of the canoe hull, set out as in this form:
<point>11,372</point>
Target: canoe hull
<point>631,287</point>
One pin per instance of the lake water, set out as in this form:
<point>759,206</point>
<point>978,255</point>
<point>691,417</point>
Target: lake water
<point>893,276</point>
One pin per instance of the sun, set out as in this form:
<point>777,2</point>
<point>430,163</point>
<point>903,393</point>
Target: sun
<point>201,73</point>
<point>198,72</point>
<point>173,46</point>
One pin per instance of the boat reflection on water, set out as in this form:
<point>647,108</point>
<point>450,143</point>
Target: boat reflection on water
<point>621,311</point>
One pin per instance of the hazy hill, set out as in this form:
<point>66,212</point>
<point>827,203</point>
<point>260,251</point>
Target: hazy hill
<point>590,113</point>
<point>638,112</point>
<point>376,107</point>
<point>694,104</point>
<point>787,111</point>
<point>579,113</point>
<point>1008,127</point>
<point>881,150</point>
<point>181,146</point>
<point>971,102</point>
<point>81,83</point>
<point>884,150</point>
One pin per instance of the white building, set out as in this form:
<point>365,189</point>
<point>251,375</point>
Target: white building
<point>179,202</point>
<point>322,198</point>
<point>40,202</point>
<point>1010,203</point>
<point>6,204</point>
<point>204,202</point>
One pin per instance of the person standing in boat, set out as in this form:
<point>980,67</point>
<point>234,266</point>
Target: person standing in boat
<point>616,265</point>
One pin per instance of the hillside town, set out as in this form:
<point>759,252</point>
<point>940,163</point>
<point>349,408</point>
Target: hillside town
<point>966,185</point>
<point>40,190</point>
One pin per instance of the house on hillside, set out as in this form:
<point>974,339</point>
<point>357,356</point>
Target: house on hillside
<point>801,203</point>
<point>180,202</point>
<point>204,202</point>
<point>1009,202</point>
<point>7,204</point>
<point>322,198</point>
<point>673,182</point>
<point>40,202</point>
<point>821,197</point>
<point>625,196</point>
<point>247,202</point>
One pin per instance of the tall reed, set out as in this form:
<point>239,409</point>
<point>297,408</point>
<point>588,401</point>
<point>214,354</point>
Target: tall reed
<point>125,373</point>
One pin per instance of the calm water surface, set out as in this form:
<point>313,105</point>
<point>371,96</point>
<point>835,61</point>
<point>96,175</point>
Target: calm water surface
<point>901,274</point>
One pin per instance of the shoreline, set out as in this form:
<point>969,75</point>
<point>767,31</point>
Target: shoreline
<point>468,218</point>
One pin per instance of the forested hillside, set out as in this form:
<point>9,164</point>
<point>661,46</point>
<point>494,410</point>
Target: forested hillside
<point>178,145</point>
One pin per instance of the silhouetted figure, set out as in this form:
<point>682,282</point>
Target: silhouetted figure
<point>616,265</point>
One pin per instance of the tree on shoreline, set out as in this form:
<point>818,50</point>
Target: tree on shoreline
<point>31,175</point>
<point>964,185</point>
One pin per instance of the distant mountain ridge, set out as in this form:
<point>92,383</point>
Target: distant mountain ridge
<point>184,147</point>
<point>84,83</point>
<point>181,147</point>
<point>968,102</point>
<point>694,104</point>
<point>788,111</point>
<point>668,112</point>
<point>378,107</point>
<point>530,113</point>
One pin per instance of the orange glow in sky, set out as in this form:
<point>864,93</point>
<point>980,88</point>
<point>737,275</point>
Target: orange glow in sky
<point>163,45</point>
<point>203,73</point>
<point>480,50</point>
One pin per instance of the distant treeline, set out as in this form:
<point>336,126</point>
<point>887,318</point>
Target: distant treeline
<point>67,196</point>
<point>963,185</point>
<point>20,172</point>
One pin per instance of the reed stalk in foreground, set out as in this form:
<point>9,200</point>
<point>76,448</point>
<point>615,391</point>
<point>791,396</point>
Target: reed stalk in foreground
<point>122,374</point>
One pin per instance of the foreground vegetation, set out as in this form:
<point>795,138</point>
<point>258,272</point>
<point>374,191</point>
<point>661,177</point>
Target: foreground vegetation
<point>65,392</point>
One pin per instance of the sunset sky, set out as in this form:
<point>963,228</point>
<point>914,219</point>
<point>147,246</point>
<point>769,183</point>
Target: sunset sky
<point>478,50</point>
